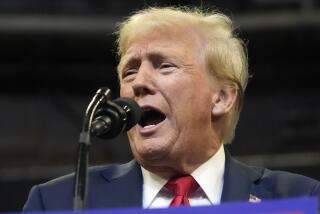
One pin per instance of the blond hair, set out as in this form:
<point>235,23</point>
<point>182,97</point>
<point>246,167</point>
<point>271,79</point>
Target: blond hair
<point>224,53</point>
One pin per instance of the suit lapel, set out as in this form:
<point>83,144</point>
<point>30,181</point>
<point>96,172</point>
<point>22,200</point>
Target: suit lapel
<point>119,186</point>
<point>239,180</point>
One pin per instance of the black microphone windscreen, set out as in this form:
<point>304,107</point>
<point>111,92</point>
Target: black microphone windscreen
<point>132,110</point>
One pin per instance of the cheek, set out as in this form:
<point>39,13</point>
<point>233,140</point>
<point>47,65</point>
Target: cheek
<point>193,101</point>
<point>125,91</point>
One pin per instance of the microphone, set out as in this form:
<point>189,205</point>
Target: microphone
<point>115,117</point>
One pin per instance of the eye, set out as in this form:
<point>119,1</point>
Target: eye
<point>129,73</point>
<point>167,67</point>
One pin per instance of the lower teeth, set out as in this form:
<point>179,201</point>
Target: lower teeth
<point>148,126</point>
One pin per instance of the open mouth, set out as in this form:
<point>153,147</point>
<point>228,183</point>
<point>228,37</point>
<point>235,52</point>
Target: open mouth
<point>151,117</point>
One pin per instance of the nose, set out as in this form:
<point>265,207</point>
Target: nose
<point>143,83</point>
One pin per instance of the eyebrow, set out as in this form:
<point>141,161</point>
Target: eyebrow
<point>127,60</point>
<point>155,54</point>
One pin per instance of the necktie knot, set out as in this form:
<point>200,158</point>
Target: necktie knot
<point>182,188</point>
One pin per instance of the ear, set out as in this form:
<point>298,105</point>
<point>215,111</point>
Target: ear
<point>223,100</point>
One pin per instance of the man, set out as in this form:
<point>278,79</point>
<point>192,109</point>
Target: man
<point>188,73</point>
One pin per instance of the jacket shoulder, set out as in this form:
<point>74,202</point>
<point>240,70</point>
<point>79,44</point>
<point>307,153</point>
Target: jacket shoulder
<point>277,184</point>
<point>57,194</point>
<point>285,184</point>
<point>242,180</point>
<point>65,183</point>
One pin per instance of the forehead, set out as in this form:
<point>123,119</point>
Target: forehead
<point>172,42</point>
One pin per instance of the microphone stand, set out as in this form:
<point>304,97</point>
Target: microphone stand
<point>81,176</point>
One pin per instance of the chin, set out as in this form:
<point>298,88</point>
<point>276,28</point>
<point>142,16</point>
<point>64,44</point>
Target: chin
<point>151,153</point>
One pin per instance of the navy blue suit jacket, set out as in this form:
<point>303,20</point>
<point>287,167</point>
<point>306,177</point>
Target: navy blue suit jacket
<point>121,186</point>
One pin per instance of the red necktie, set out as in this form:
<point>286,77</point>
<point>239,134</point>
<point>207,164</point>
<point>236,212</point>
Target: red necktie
<point>182,187</point>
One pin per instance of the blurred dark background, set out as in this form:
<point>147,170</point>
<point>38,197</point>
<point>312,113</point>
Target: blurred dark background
<point>55,54</point>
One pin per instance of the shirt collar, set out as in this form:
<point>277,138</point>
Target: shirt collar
<point>209,176</point>
<point>152,184</point>
<point>211,181</point>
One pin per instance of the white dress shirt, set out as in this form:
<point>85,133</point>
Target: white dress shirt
<point>209,176</point>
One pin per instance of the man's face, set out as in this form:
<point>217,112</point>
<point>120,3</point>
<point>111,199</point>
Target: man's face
<point>167,76</point>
